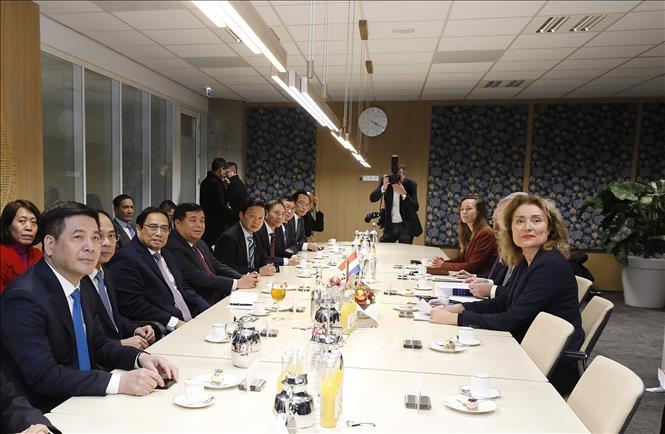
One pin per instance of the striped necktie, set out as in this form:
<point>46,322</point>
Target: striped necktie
<point>177,296</point>
<point>272,245</point>
<point>79,332</point>
<point>250,251</point>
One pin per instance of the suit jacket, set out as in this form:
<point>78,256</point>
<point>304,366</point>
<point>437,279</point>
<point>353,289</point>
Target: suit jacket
<point>236,196</point>
<point>39,346</point>
<point>231,249</point>
<point>478,257</point>
<point>125,326</point>
<point>17,413</point>
<point>408,208</point>
<point>262,234</point>
<point>193,273</point>
<point>11,264</point>
<point>142,292</point>
<point>123,238</point>
<point>313,225</point>
<point>498,275</point>
<point>295,238</point>
<point>212,198</point>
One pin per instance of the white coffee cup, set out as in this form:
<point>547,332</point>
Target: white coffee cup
<point>259,308</point>
<point>194,390</point>
<point>217,331</point>
<point>480,384</point>
<point>318,254</point>
<point>465,334</point>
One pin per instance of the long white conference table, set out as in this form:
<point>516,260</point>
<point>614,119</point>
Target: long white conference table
<point>378,372</point>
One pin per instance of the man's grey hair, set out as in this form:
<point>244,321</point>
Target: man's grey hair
<point>510,197</point>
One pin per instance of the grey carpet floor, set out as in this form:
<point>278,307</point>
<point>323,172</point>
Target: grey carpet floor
<point>634,338</point>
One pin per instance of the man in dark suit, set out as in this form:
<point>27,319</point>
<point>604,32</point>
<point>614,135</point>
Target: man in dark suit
<point>271,235</point>
<point>50,340</point>
<point>18,415</point>
<point>212,198</point>
<point>211,279</point>
<point>101,289</point>
<point>313,219</point>
<point>290,237</point>
<point>147,277</point>
<point>400,199</point>
<point>236,191</point>
<point>239,248</point>
<point>123,209</point>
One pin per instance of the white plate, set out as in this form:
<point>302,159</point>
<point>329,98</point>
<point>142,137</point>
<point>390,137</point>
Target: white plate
<point>471,343</point>
<point>214,340</point>
<point>423,288</point>
<point>405,308</point>
<point>181,400</point>
<point>229,381</point>
<point>438,346</point>
<point>265,312</point>
<point>406,293</point>
<point>484,406</point>
<point>304,275</point>
<point>490,393</point>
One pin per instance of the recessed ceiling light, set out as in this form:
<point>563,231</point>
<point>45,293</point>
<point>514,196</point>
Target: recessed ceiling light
<point>404,30</point>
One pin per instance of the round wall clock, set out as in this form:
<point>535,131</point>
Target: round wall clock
<point>372,121</point>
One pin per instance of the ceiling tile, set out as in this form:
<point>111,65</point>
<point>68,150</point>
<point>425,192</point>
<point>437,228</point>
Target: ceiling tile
<point>552,40</point>
<point>646,62</point>
<point>231,72</point>
<point>509,75</point>
<point>536,54</point>
<point>152,20</point>
<point>62,7</point>
<point>173,63</point>
<point>589,63</point>
<point>134,5</point>
<point>318,47</point>
<point>400,58</point>
<point>396,45</point>
<point>537,65</point>
<point>493,9</point>
<point>201,50</point>
<point>486,27</point>
<point>592,93</point>
<point>640,21</point>
<point>586,7</point>
<point>423,29</point>
<point>635,72</point>
<point>92,21</point>
<point>217,62</point>
<point>475,43</point>
<point>269,16</point>
<point>619,82</point>
<point>608,52</point>
<point>493,93</point>
<point>298,14</point>
<point>451,85</point>
<point>336,32</point>
<point>144,51</point>
<point>380,11</point>
<point>409,68</point>
<point>633,37</point>
<point>120,38</point>
<point>258,61</point>
<point>558,83</point>
<point>178,36</point>
<point>443,96</point>
<point>573,73</point>
<point>656,51</point>
<point>531,92</point>
<point>186,73</point>
<point>398,78</point>
<point>461,67</point>
<point>651,5</point>
<point>454,76</point>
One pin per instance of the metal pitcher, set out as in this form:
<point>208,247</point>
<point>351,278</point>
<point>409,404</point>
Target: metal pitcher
<point>245,341</point>
<point>326,317</point>
<point>295,403</point>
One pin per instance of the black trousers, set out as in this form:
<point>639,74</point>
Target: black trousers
<point>396,232</point>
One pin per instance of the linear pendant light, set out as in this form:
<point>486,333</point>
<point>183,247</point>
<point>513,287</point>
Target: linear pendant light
<point>316,102</point>
<point>244,21</point>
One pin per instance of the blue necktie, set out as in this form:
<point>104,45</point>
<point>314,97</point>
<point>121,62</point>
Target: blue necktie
<point>79,331</point>
<point>131,230</point>
<point>250,251</point>
<point>105,296</point>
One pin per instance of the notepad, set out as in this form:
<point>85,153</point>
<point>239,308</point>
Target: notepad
<point>242,300</point>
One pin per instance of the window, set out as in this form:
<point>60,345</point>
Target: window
<point>134,137</point>
<point>187,159</point>
<point>161,128</point>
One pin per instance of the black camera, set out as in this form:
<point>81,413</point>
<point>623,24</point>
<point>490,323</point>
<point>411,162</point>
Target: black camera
<point>394,169</point>
<point>371,216</point>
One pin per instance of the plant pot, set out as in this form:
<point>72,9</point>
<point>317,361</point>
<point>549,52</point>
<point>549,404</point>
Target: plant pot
<point>644,282</point>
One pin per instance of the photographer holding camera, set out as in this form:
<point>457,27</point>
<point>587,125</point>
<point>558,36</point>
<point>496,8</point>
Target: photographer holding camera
<point>399,217</point>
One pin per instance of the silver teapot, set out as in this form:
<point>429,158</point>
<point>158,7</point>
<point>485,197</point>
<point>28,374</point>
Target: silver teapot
<point>325,319</point>
<point>245,341</point>
<point>295,403</point>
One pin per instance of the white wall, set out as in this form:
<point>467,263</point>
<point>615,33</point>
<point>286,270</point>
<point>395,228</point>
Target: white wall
<point>75,47</point>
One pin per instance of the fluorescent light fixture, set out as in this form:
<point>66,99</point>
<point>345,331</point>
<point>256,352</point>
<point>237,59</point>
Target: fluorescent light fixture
<point>244,21</point>
<point>317,103</point>
<point>343,139</point>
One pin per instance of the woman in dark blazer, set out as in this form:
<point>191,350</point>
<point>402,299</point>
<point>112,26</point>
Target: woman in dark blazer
<point>534,239</point>
<point>17,238</point>
<point>476,238</point>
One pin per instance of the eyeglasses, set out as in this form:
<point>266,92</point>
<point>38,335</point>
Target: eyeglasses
<point>154,228</point>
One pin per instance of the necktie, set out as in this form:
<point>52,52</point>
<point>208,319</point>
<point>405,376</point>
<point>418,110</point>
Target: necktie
<point>272,245</point>
<point>79,332</point>
<point>130,230</point>
<point>101,288</point>
<point>177,296</point>
<point>202,260</point>
<point>250,251</point>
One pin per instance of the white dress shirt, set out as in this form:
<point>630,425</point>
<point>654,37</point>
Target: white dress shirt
<point>272,231</point>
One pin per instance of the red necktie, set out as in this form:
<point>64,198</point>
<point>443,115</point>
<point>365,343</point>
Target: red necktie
<point>199,255</point>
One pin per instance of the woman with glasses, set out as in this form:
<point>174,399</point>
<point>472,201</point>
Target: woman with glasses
<point>476,238</point>
<point>533,239</point>
<point>17,238</point>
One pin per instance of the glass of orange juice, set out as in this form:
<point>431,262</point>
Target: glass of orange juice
<point>278,292</point>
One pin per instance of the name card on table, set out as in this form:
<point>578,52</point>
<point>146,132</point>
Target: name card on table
<point>240,300</point>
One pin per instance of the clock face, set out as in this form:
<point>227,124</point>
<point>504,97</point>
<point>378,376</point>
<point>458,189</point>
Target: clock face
<point>372,121</point>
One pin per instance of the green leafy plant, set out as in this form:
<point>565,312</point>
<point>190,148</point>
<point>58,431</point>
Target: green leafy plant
<point>633,218</point>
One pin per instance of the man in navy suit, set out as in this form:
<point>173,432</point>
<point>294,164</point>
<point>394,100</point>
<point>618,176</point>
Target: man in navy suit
<point>147,276</point>
<point>101,288</point>
<point>211,279</point>
<point>50,341</point>
<point>123,208</point>
<point>271,235</point>
<point>240,248</point>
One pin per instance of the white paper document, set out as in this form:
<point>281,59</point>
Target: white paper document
<point>464,299</point>
<point>241,300</point>
<point>424,307</point>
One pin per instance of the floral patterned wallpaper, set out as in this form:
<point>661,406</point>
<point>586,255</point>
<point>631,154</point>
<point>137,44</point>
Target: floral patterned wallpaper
<point>282,143</point>
<point>474,149</point>
<point>651,163</point>
<point>578,149</point>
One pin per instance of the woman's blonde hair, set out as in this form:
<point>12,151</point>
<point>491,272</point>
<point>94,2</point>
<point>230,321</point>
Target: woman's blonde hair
<point>464,234</point>
<point>557,234</point>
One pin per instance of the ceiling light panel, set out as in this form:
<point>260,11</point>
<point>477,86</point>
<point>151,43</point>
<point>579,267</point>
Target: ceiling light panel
<point>486,27</point>
<point>462,10</point>
<point>475,43</point>
<point>586,7</point>
<point>154,20</point>
<point>94,21</point>
<point>387,11</point>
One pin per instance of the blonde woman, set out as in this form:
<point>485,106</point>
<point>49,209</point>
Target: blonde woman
<point>534,240</point>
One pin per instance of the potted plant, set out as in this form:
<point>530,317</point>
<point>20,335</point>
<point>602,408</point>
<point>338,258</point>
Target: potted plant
<point>633,229</point>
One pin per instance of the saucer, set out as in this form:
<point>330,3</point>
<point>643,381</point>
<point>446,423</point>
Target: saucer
<point>406,293</point>
<point>438,346</point>
<point>214,340</point>
<point>471,343</point>
<point>229,381</point>
<point>490,393</point>
<point>181,400</point>
<point>304,275</point>
<point>265,312</point>
<point>405,308</point>
<point>423,288</point>
<point>484,406</point>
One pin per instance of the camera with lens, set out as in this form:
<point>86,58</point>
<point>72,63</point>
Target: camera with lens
<point>371,216</point>
<point>394,169</point>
